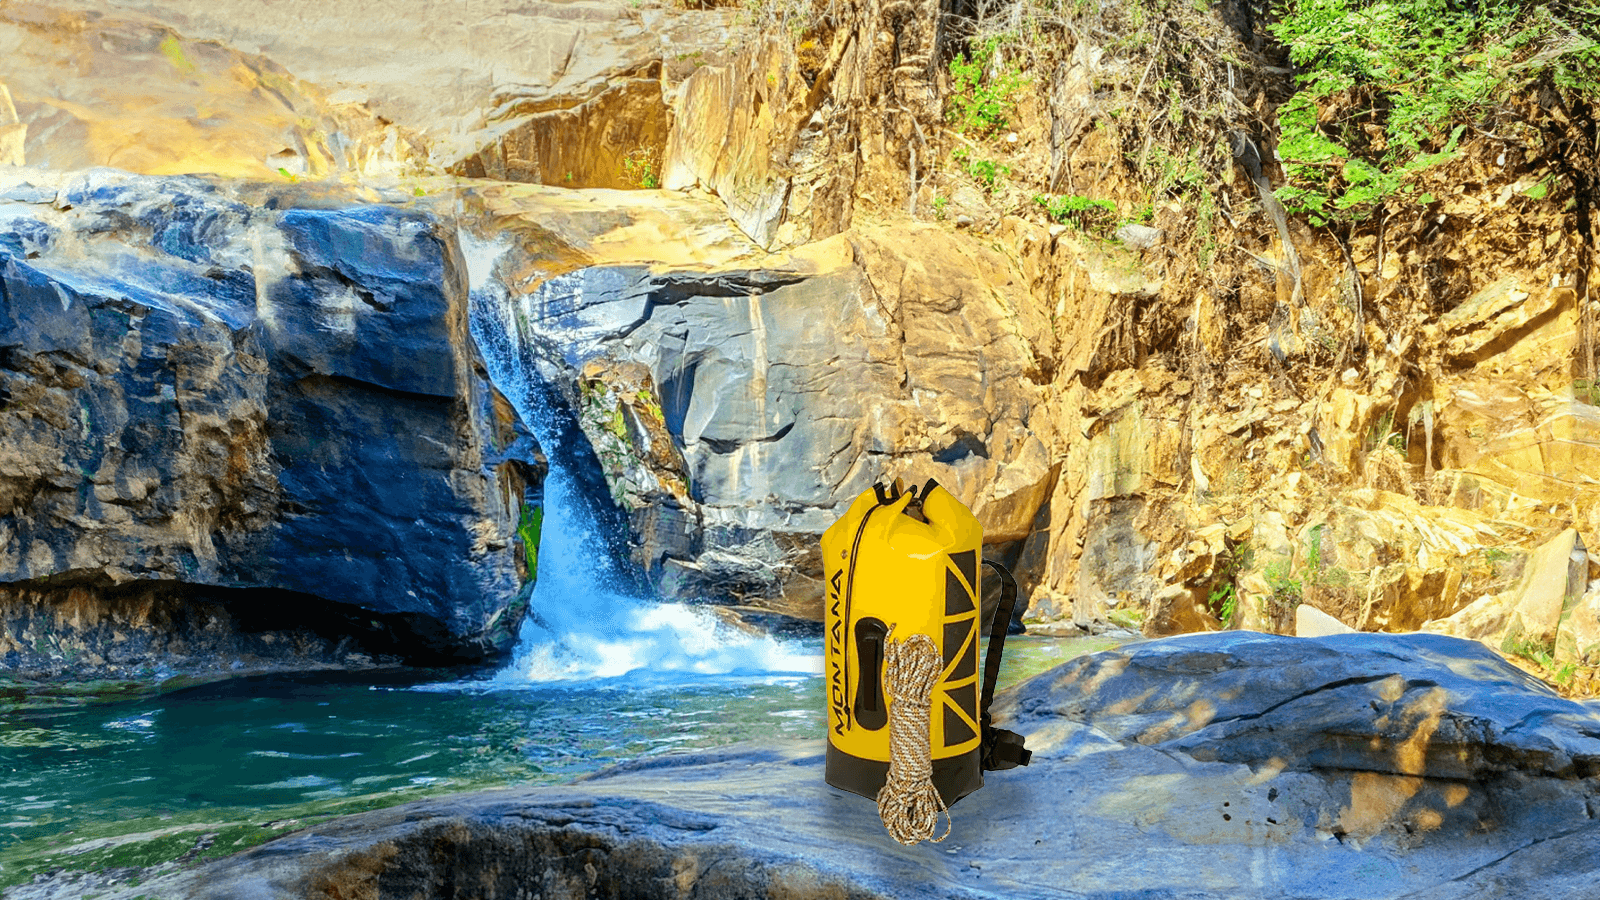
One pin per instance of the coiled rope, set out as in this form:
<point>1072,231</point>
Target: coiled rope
<point>908,803</point>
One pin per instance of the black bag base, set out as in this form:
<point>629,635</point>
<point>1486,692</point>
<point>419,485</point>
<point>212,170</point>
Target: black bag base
<point>954,777</point>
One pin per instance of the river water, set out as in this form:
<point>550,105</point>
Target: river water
<point>598,678</point>
<point>244,749</point>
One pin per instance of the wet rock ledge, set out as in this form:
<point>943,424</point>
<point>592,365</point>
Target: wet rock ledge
<point>1221,765</point>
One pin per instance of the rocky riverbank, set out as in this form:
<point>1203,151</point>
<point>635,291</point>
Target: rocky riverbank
<point>1207,766</point>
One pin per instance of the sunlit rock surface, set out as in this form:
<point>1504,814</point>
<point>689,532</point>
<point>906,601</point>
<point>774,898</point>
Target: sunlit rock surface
<point>1208,766</point>
<point>560,92</point>
<point>268,403</point>
<point>1403,705</point>
<point>87,89</point>
<point>1550,610</point>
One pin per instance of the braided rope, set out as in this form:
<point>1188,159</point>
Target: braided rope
<point>908,803</point>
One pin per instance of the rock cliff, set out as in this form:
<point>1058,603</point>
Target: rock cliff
<point>735,402</point>
<point>242,430</point>
<point>759,259</point>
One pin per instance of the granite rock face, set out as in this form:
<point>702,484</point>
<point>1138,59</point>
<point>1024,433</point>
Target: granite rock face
<point>733,407</point>
<point>272,404</point>
<point>1209,766</point>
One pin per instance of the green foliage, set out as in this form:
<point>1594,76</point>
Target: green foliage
<point>1317,572</point>
<point>1171,173</point>
<point>173,51</point>
<point>1286,589</point>
<point>529,527</point>
<point>639,167</point>
<point>1382,83</point>
<point>1563,39</point>
<point>1131,619</point>
<point>941,207</point>
<point>1205,227</point>
<point>1585,390</point>
<point>1223,598</point>
<point>647,401</point>
<point>1540,654</point>
<point>986,172</point>
<point>980,102</point>
<point>1182,176</point>
<point>1083,213</point>
<point>1280,578</point>
<point>1520,643</point>
<point>1383,432</point>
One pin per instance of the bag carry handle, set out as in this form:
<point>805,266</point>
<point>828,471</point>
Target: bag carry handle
<point>1001,749</point>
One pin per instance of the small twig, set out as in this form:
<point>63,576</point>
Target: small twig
<point>911,186</point>
<point>1155,57</point>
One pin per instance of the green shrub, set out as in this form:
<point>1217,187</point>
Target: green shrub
<point>986,172</point>
<point>1585,390</point>
<point>1082,212</point>
<point>1387,88</point>
<point>978,103</point>
<point>639,168</point>
<point>1223,598</point>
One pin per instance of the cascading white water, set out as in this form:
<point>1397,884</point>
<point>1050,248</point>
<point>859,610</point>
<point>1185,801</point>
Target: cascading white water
<point>585,630</point>
<point>579,627</point>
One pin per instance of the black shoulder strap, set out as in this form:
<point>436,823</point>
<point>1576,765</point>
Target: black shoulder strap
<point>1001,749</point>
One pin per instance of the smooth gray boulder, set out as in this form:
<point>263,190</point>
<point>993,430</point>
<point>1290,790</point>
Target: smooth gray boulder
<point>1403,705</point>
<point>1117,803</point>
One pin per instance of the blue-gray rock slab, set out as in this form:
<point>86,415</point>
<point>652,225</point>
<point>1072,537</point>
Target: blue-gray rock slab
<point>1098,814</point>
<point>278,393</point>
<point>1393,704</point>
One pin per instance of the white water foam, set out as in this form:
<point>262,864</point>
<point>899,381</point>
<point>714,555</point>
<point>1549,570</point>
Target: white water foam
<point>583,630</point>
<point>578,628</point>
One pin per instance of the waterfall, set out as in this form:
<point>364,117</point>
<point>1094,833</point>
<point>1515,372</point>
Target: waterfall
<point>583,624</point>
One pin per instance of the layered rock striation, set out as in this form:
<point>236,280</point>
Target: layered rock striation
<point>1204,421</point>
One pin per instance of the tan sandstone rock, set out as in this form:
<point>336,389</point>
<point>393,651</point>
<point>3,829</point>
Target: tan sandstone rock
<point>1553,579</point>
<point>1312,622</point>
<point>13,132</point>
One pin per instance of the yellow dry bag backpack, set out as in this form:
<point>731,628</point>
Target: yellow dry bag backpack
<point>902,570</point>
